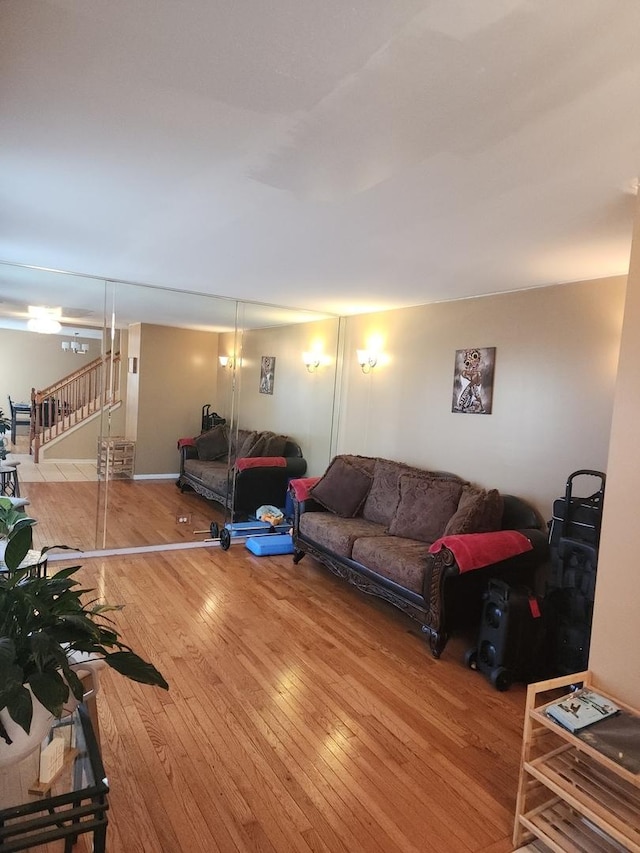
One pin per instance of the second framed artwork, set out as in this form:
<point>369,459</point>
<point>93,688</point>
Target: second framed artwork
<point>473,381</point>
<point>267,373</point>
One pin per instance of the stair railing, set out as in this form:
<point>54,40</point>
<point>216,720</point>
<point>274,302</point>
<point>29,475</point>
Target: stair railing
<point>73,399</point>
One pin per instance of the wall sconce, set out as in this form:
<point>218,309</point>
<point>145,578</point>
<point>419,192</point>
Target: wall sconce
<point>311,361</point>
<point>227,361</point>
<point>367,360</point>
<point>75,346</point>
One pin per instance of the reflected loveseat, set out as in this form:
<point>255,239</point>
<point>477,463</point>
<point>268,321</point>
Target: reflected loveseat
<point>246,469</point>
<point>426,541</point>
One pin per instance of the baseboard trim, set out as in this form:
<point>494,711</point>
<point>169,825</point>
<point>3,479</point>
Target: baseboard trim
<point>156,476</point>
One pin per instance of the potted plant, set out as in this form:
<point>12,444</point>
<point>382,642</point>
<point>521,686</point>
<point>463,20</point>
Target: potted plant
<point>44,621</point>
<point>5,426</point>
<point>15,531</point>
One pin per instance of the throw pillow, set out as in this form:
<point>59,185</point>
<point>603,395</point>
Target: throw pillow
<point>343,488</point>
<point>479,511</point>
<point>383,497</point>
<point>213,444</point>
<point>426,504</point>
<point>244,447</point>
<point>275,444</point>
<point>268,444</point>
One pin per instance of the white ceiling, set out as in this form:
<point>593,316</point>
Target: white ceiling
<point>328,155</point>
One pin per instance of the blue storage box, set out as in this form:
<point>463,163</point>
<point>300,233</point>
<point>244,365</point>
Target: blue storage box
<point>273,543</point>
<point>246,528</point>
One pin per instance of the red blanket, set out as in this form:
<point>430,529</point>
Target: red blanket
<point>261,462</point>
<point>475,550</point>
<point>186,442</point>
<point>301,487</point>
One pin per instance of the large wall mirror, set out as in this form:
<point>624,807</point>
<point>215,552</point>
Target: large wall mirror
<point>130,371</point>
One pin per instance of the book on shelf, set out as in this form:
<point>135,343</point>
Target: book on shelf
<point>583,708</point>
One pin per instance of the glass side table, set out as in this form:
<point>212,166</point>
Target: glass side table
<point>32,814</point>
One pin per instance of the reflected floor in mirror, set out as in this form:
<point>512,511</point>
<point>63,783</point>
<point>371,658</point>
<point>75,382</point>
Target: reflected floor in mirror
<point>140,514</point>
<point>47,472</point>
<point>63,498</point>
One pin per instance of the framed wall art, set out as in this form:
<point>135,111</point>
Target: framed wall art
<point>473,381</point>
<point>267,373</point>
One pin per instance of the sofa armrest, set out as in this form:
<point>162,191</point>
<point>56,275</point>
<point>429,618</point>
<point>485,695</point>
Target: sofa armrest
<point>442,567</point>
<point>265,484</point>
<point>188,451</point>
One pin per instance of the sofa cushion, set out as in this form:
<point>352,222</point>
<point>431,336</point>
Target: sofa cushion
<point>426,504</point>
<point>337,534</point>
<point>400,560</point>
<point>214,475</point>
<point>479,511</point>
<point>383,497</point>
<point>343,488</point>
<point>213,444</point>
<point>245,446</point>
<point>268,444</point>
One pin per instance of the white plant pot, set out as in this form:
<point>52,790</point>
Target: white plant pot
<point>22,743</point>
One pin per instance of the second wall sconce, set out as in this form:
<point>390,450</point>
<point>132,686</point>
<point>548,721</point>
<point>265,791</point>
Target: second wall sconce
<point>311,361</point>
<point>367,360</point>
<point>226,361</point>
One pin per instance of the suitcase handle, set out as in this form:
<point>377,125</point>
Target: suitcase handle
<point>586,472</point>
<point>596,498</point>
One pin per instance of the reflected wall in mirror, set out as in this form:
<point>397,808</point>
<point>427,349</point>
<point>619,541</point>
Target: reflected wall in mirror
<point>109,480</point>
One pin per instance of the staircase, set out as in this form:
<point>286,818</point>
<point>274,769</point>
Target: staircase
<point>70,401</point>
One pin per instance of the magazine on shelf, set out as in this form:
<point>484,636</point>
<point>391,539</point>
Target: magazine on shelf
<point>581,709</point>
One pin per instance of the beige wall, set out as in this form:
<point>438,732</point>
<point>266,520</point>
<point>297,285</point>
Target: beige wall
<point>35,361</point>
<point>556,358</point>
<point>81,442</point>
<point>301,405</point>
<point>616,624</point>
<point>176,377</point>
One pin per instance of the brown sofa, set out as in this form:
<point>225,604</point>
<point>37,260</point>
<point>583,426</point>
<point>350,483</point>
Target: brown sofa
<point>426,541</point>
<point>247,468</point>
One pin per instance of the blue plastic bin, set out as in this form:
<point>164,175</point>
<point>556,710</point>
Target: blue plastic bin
<point>267,546</point>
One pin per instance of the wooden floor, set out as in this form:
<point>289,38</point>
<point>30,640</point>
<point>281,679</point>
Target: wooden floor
<point>301,716</point>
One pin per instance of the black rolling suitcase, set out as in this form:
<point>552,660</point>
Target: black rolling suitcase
<point>507,645</point>
<point>574,538</point>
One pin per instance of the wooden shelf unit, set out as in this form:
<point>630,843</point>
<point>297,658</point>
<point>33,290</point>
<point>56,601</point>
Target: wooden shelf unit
<point>116,458</point>
<point>571,796</point>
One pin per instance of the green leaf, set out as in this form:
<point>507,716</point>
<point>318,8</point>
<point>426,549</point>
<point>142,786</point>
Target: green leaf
<point>17,548</point>
<point>7,651</point>
<point>50,689</point>
<point>20,708</point>
<point>135,668</point>
<point>10,683</point>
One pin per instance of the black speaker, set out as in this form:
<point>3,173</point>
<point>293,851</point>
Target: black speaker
<point>507,640</point>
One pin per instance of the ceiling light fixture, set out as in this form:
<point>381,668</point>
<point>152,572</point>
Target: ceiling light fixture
<point>75,346</point>
<point>44,320</point>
